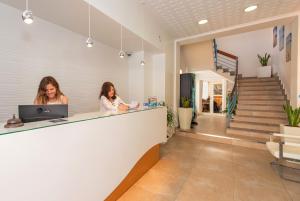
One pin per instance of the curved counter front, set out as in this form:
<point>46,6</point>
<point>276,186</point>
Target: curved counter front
<point>85,158</point>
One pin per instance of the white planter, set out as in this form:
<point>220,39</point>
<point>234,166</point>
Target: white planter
<point>264,71</point>
<point>288,130</point>
<point>185,117</point>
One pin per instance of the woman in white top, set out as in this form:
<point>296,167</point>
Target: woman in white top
<point>49,93</point>
<point>109,101</point>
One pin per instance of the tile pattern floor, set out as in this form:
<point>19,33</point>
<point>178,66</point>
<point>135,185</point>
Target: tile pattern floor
<point>210,124</point>
<point>194,170</point>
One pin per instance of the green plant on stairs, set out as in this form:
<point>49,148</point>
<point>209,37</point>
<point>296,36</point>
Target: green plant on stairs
<point>293,115</point>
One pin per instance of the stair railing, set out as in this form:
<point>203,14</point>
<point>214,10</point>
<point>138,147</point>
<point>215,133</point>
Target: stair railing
<point>228,63</point>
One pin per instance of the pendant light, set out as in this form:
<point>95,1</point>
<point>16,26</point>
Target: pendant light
<point>142,62</point>
<point>27,15</point>
<point>121,53</point>
<point>89,41</point>
<point>143,59</point>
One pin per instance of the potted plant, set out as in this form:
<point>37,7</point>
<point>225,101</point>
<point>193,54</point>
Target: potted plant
<point>185,113</point>
<point>264,70</point>
<point>170,122</point>
<point>293,121</point>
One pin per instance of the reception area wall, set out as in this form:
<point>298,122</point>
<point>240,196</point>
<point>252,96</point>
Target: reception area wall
<point>30,52</point>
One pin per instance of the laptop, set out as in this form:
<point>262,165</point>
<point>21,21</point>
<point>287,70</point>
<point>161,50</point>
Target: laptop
<point>32,113</point>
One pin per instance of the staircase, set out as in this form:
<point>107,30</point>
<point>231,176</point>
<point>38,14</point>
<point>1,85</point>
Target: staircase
<point>256,102</point>
<point>259,110</point>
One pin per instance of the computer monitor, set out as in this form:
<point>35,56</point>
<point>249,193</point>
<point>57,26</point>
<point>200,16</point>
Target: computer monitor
<point>32,113</point>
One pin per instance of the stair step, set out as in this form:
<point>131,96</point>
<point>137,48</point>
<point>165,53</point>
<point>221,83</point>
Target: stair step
<point>254,126</point>
<point>260,88</point>
<point>261,97</point>
<point>258,136</point>
<point>255,79</point>
<point>260,92</point>
<point>260,107</point>
<point>261,102</point>
<point>268,120</point>
<point>261,83</point>
<point>256,113</point>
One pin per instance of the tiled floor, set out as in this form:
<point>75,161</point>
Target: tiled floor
<point>193,170</point>
<point>210,124</point>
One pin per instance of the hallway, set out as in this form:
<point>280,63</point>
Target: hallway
<point>210,124</point>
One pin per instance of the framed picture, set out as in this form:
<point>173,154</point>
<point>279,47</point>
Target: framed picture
<point>217,89</point>
<point>288,47</point>
<point>281,38</point>
<point>275,38</point>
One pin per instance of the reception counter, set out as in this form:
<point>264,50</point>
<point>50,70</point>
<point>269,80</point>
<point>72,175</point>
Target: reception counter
<point>89,157</point>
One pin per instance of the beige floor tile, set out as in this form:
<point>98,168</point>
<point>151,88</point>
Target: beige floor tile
<point>293,189</point>
<point>158,182</point>
<point>211,125</point>
<point>174,167</point>
<point>193,170</point>
<point>260,176</point>
<point>251,154</point>
<point>139,194</point>
<point>208,185</point>
<point>253,191</point>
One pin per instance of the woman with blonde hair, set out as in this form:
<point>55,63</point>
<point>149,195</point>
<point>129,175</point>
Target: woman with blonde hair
<point>49,93</point>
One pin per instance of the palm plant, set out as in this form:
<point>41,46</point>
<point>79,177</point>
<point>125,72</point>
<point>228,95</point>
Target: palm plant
<point>185,102</point>
<point>293,115</point>
<point>264,59</point>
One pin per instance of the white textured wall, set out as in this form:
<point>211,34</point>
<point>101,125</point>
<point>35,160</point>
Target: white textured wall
<point>136,77</point>
<point>29,52</point>
<point>148,80</point>
<point>246,46</point>
<point>289,71</point>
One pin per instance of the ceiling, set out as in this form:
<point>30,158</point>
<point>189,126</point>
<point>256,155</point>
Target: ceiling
<point>73,15</point>
<point>181,17</point>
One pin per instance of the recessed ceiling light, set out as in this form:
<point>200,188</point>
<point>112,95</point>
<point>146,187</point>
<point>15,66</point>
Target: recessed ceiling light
<point>251,8</point>
<point>203,21</point>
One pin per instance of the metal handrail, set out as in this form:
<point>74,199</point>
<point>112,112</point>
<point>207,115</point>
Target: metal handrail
<point>232,99</point>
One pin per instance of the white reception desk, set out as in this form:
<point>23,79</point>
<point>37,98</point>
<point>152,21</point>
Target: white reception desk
<point>83,159</point>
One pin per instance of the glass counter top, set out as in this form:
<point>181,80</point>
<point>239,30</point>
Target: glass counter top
<point>71,119</point>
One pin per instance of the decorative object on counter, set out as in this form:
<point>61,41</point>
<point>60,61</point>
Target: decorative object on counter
<point>171,122</point>
<point>152,101</point>
<point>14,123</point>
<point>27,15</point>
<point>89,41</point>
<point>264,70</point>
<point>185,113</point>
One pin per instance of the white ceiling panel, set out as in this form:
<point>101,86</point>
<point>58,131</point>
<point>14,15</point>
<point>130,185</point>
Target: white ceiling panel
<point>181,17</point>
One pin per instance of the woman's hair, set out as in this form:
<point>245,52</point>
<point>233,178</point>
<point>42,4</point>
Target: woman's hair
<point>105,90</point>
<point>41,97</point>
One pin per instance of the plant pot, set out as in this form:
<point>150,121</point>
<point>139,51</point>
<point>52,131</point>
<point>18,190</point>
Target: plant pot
<point>185,117</point>
<point>289,130</point>
<point>264,71</point>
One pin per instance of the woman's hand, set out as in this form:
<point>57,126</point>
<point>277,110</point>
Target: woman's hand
<point>122,107</point>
